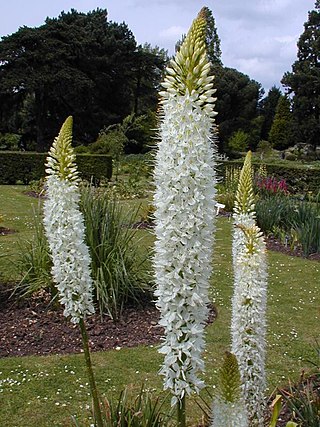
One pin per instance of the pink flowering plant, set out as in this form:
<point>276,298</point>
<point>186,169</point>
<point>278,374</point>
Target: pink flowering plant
<point>270,186</point>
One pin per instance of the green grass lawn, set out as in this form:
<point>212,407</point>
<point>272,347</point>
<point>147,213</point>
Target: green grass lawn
<point>18,212</point>
<point>46,391</point>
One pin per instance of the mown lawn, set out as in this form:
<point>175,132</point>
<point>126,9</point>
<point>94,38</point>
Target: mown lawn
<point>46,391</point>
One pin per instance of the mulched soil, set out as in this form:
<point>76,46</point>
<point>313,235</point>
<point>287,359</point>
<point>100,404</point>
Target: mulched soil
<point>37,328</point>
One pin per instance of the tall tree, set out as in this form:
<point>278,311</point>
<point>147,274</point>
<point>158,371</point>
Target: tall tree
<point>79,64</point>
<point>149,68</point>
<point>304,81</point>
<point>237,102</point>
<point>268,107</point>
<point>281,136</point>
<point>212,39</point>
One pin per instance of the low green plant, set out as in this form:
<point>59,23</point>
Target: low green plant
<point>295,222</point>
<point>141,411</point>
<point>303,399</point>
<point>128,188</point>
<point>306,222</point>
<point>118,269</point>
<point>272,212</point>
<point>227,198</point>
<point>37,186</point>
<point>34,263</point>
<point>276,406</point>
<point>9,141</point>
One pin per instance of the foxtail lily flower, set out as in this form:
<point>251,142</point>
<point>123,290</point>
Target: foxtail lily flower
<point>64,228</point>
<point>248,325</point>
<point>185,211</point>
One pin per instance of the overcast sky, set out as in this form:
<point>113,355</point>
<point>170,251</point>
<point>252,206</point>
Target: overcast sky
<point>258,37</point>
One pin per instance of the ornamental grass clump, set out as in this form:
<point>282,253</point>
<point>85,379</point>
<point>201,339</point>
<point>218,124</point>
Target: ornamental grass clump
<point>65,231</point>
<point>248,325</point>
<point>185,210</point>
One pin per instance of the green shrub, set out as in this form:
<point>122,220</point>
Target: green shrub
<point>239,141</point>
<point>9,141</point>
<point>273,212</point>
<point>299,178</point>
<point>306,223</point>
<point>118,269</point>
<point>25,167</point>
<point>34,263</point>
<point>141,411</point>
<point>81,149</point>
<point>110,142</point>
<point>303,400</point>
<point>264,148</point>
<point>294,221</point>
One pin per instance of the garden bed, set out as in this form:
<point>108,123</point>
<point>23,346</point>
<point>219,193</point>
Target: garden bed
<point>36,328</point>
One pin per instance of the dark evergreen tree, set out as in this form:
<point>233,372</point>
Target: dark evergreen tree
<point>281,136</point>
<point>148,73</point>
<point>267,108</point>
<point>212,39</point>
<point>78,64</point>
<point>237,104</point>
<point>304,81</point>
<point>237,94</point>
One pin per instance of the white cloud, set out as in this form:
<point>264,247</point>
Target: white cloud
<point>257,36</point>
<point>173,33</point>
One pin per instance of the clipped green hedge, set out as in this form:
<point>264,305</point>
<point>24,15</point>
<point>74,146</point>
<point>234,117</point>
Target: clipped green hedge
<point>22,166</point>
<point>299,178</point>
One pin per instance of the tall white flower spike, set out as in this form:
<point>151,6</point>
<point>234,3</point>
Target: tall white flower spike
<point>64,228</point>
<point>248,324</point>
<point>185,211</point>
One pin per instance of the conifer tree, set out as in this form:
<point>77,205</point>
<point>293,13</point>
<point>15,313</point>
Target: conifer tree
<point>280,135</point>
<point>304,81</point>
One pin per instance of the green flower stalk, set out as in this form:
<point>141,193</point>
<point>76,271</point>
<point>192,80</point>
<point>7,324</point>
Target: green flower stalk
<point>248,325</point>
<point>185,212</point>
<point>228,406</point>
<point>64,228</point>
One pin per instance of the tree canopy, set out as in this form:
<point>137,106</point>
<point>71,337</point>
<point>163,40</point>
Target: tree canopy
<point>267,108</point>
<point>237,102</point>
<point>83,65</point>
<point>304,81</point>
<point>77,64</point>
<point>280,135</point>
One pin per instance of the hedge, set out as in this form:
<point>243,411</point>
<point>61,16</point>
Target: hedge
<point>24,167</point>
<point>299,178</point>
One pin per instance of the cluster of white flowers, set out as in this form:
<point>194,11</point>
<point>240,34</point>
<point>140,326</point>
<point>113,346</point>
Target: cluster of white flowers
<point>185,212</point>
<point>248,325</point>
<point>229,414</point>
<point>64,227</point>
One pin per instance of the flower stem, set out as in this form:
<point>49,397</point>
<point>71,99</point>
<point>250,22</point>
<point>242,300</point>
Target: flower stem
<point>93,387</point>
<point>181,412</point>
